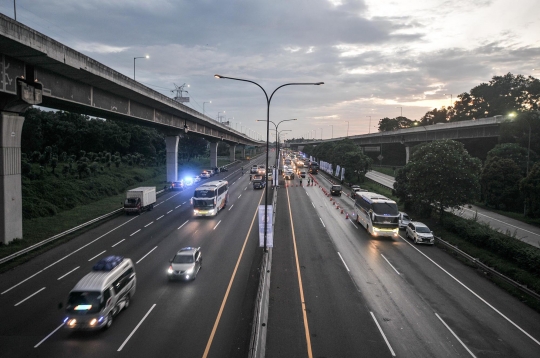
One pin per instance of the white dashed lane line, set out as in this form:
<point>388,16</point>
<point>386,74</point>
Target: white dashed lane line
<point>181,226</point>
<point>33,294</point>
<point>61,277</point>
<point>149,252</point>
<point>118,242</point>
<point>102,252</point>
<point>160,217</point>
<point>150,223</point>
<point>135,232</point>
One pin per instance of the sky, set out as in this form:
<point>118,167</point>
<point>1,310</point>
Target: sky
<point>377,58</point>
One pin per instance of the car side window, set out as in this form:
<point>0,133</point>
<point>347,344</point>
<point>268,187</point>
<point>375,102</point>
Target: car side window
<point>411,226</point>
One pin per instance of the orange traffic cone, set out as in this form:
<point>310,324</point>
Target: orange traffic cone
<point>341,211</point>
<point>347,216</point>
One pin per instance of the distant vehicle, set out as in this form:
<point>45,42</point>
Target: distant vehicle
<point>269,174</point>
<point>188,181</point>
<point>404,220</point>
<point>377,214</point>
<point>186,264</point>
<point>258,182</point>
<point>254,169</point>
<point>288,174</point>
<point>140,199</point>
<point>287,162</point>
<point>335,190</point>
<point>302,173</point>
<point>101,294</point>
<point>196,179</point>
<point>209,198</point>
<point>419,233</point>
<point>261,169</point>
<point>313,167</point>
<point>177,185</point>
<point>205,174</point>
<point>355,190</point>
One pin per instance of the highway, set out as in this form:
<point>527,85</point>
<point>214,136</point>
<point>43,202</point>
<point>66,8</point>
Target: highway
<point>210,316</point>
<point>334,291</point>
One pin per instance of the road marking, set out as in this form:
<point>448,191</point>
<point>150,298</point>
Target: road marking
<point>390,264</point>
<point>61,277</point>
<point>50,334</point>
<point>245,188</point>
<point>33,294</point>
<point>313,204</point>
<point>149,252</point>
<point>219,222</point>
<point>517,227</point>
<point>178,206</point>
<point>136,328</point>
<point>216,323</point>
<point>302,300</point>
<point>352,222</point>
<point>455,335</point>
<point>118,243</point>
<point>184,202</point>
<point>347,267</point>
<point>135,232</point>
<point>322,222</point>
<point>181,226</point>
<point>65,257</point>
<point>231,207</point>
<point>160,217</point>
<point>150,223</point>
<point>380,330</point>
<point>474,293</point>
<point>97,255</point>
<point>168,212</point>
<point>239,196</point>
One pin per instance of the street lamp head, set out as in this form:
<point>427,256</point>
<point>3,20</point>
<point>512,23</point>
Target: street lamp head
<point>319,83</point>
<point>147,56</point>
<point>218,76</point>
<point>512,114</point>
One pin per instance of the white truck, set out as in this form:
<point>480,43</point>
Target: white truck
<point>140,199</point>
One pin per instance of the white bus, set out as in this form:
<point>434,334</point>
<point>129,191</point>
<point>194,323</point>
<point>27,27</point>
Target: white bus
<point>377,214</point>
<point>210,198</point>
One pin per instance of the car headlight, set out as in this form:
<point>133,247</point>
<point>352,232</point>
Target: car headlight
<point>71,322</point>
<point>170,270</point>
<point>196,211</point>
<point>190,271</point>
<point>93,322</point>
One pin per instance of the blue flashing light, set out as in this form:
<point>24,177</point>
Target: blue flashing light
<point>65,320</point>
<point>100,319</point>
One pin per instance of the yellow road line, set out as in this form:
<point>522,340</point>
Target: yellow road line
<point>306,326</point>
<point>216,323</point>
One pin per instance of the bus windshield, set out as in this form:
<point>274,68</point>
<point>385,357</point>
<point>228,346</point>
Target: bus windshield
<point>390,209</point>
<point>203,203</point>
<point>204,193</point>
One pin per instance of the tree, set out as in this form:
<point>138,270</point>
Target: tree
<point>511,151</point>
<point>530,188</point>
<point>436,116</point>
<point>500,180</point>
<point>192,146</point>
<point>443,174</point>
<point>391,124</point>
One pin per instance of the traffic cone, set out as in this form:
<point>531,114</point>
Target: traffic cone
<point>346,215</point>
<point>341,211</point>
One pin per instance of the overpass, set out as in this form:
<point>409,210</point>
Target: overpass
<point>409,137</point>
<point>37,70</point>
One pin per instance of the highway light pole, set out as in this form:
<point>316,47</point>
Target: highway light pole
<point>347,129</point>
<point>277,125</point>
<point>134,58</point>
<point>369,129</point>
<point>268,100</point>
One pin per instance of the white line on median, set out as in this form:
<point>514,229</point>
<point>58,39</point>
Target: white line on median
<point>160,217</point>
<point>239,196</point>
<point>150,223</point>
<point>347,267</point>
<point>178,206</point>
<point>380,330</point>
<point>390,264</point>
<point>118,242</point>
<point>169,211</point>
<point>181,226</point>
<point>492,218</point>
<point>459,340</point>
<point>149,252</point>
<point>231,207</point>
<point>102,252</point>
<point>33,294</point>
<point>61,277</point>
<point>50,334</point>
<point>322,222</point>
<point>135,232</point>
<point>217,225</point>
<point>352,222</point>
<point>136,328</point>
<point>313,204</point>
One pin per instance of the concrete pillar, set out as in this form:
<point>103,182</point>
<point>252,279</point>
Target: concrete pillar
<point>10,177</point>
<point>243,152</point>
<point>232,150</point>
<point>406,154</point>
<point>213,154</point>
<point>172,157</point>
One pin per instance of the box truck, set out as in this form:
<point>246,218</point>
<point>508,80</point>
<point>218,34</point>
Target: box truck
<point>140,199</point>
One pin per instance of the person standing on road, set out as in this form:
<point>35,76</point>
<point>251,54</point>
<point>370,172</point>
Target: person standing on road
<point>300,181</point>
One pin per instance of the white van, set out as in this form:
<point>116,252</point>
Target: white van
<point>101,294</point>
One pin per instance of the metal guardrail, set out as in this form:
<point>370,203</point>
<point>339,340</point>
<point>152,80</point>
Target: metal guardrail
<point>486,268</point>
<point>62,234</point>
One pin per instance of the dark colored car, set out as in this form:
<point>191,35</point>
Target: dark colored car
<point>177,185</point>
<point>258,182</point>
<point>335,190</point>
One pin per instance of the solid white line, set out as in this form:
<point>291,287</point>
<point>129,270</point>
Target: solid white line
<point>178,206</point>
<point>135,232</point>
<point>65,257</point>
<point>33,294</point>
<point>149,252</point>
<point>150,223</point>
<point>217,225</point>
<point>322,222</point>
<point>380,330</point>
<point>169,211</point>
<point>233,182</point>
<point>347,267</point>
<point>313,204</point>
<point>239,196</point>
<point>182,225</point>
<point>390,264</point>
<point>160,217</point>
<point>50,334</point>
<point>136,328</point>
<point>231,207</point>
<point>184,202</point>
<point>245,188</point>
<point>459,340</point>
<point>517,227</point>
<point>97,255</point>
<point>352,222</point>
<point>61,277</point>
<point>474,293</point>
<point>118,242</point>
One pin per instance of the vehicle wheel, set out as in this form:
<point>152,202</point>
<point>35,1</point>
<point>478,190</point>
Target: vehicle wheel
<point>151,207</point>
<point>127,302</point>
<point>109,321</point>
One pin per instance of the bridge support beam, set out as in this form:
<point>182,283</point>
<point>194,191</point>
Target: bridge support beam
<point>213,154</point>
<point>10,177</point>
<point>407,154</point>
<point>232,150</point>
<point>172,157</point>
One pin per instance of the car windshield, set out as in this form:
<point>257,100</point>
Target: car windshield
<point>385,208</point>
<point>406,217</point>
<point>131,201</point>
<point>336,187</point>
<point>84,302</point>
<point>183,259</point>
<point>423,229</point>
<point>203,203</point>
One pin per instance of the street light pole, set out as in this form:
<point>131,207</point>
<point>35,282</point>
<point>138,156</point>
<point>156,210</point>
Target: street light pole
<point>450,98</point>
<point>268,100</point>
<point>347,129</point>
<point>134,58</point>
<point>369,129</point>
<point>277,125</point>
<point>321,132</point>
<point>401,108</point>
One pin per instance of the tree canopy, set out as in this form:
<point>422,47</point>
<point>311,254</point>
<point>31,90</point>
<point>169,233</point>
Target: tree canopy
<point>500,183</point>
